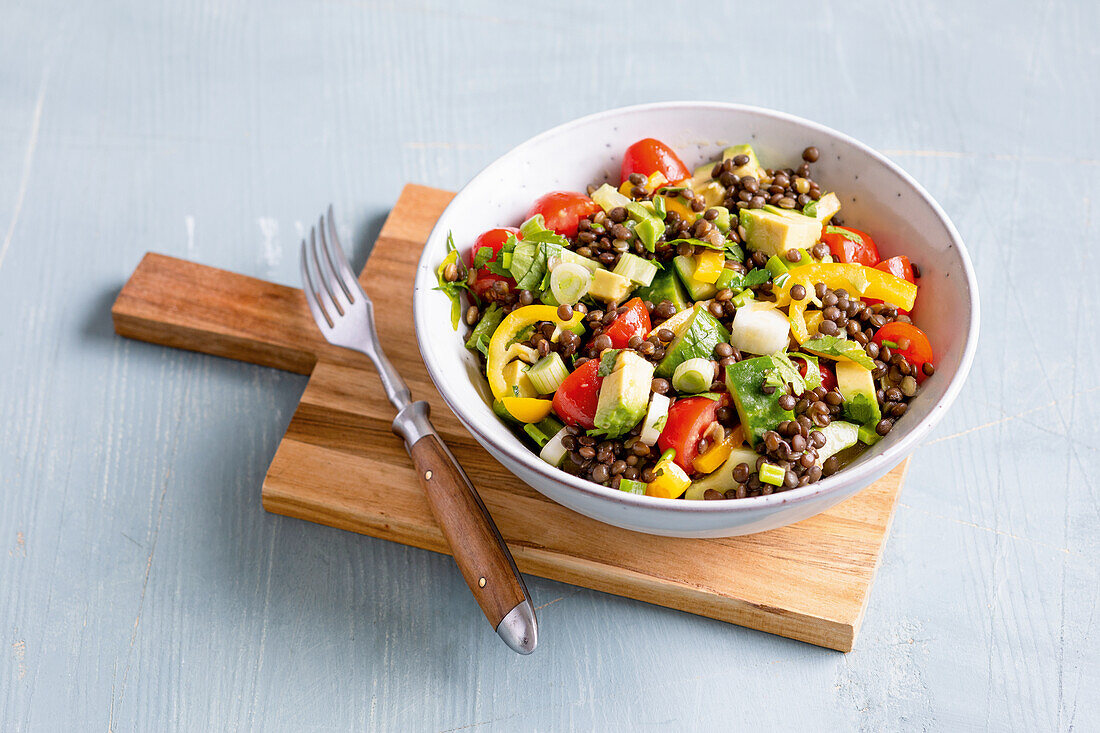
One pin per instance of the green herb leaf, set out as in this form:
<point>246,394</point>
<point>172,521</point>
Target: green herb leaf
<point>810,209</point>
<point>734,252</point>
<point>483,331</point>
<point>813,371</point>
<point>840,347</point>
<point>784,372</point>
<point>846,233</point>
<point>860,409</point>
<point>452,290</point>
<point>607,362</point>
<point>484,256</point>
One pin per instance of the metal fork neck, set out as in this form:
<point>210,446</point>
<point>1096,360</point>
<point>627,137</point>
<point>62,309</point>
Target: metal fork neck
<point>394,386</point>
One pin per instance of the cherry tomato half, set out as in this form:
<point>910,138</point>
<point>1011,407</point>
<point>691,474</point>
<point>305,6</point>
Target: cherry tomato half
<point>651,156</point>
<point>494,239</point>
<point>828,379</point>
<point>633,322</point>
<point>688,419</point>
<point>577,397</point>
<point>898,267</point>
<point>850,245</point>
<point>563,210</point>
<point>907,340</point>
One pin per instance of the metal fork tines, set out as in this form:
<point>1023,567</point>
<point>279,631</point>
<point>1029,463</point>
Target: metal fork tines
<point>341,308</point>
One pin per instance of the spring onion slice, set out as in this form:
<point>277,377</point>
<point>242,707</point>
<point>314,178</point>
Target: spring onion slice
<point>569,282</point>
<point>693,376</point>
<point>655,419</point>
<point>772,474</point>
<point>554,452</point>
<point>548,373</point>
<point>632,487</point>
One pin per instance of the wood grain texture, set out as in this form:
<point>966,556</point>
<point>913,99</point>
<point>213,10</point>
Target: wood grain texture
<point>809,582</point>
<point>143,587</point>
<point>471,537</point>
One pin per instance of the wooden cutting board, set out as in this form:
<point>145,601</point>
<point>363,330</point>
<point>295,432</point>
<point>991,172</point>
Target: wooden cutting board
<point>340,465</point>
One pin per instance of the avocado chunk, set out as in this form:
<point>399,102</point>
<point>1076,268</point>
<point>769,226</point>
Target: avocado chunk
<point>722,479</point>
<point>759,412</point>
<point>857,387</point>
<point>635,269</point>
<point>609,286</point>
<point>665,286</point>
<point>624,395</point>
<point>752,168</point>
<point>697,289</point>
<point>701,334</point>
<point>777,234</point>
<point>519,384</point>
<point>824,208</point>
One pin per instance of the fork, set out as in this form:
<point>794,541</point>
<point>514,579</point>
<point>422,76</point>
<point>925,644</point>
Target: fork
<point>345,316</point>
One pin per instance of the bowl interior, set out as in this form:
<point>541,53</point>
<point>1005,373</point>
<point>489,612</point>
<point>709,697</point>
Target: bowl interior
<point>876,197</point>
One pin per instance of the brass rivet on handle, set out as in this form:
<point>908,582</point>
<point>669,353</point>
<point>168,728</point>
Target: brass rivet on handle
<point>428,476</point>
<point>481,582</point>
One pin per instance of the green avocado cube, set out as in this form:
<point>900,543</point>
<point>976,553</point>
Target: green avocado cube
<point>624,395</point>
<point>777,234</point>
<point>752,168</point>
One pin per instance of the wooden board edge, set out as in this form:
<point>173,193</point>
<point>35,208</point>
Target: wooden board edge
<point>817,630</point>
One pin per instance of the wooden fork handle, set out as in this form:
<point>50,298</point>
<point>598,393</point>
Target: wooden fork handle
<point>476,544</point>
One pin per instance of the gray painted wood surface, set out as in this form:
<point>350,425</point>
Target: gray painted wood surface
<point>142,587</point>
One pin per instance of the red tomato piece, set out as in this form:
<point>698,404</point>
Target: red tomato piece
<point>494,239</point>
<point>907,340</point>
<point>688,419</point>
<point>898,267</point>
<point>576,399</point>
<point>651,156</point>
<point>634,322</point>
<point>563,210</point>
<point>828,379</point>
<point>850,245</point>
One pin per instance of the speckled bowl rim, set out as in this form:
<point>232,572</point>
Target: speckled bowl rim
<point>860,475</point>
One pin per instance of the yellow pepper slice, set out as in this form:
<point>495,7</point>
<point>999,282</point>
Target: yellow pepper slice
<point>813,321</point>
<point>510,328</point>
<point>655,181</point>
<point>670,481</point>
<point>858,280</point>
<point>715,456</point>
<point>527,409</point>
<point>708,266</point>
<point>626,188</point>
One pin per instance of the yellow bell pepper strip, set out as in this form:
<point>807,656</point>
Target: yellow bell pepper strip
<point>715,456</point>
<point>527,409</point>
<point>858,280</point>
<point>708,266</point>
<point>813,321</point>
<point>510,328</point>
<point>655,181</point>
<point>669,481</point>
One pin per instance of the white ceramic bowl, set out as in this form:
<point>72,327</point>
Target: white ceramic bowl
<point>877,196</point>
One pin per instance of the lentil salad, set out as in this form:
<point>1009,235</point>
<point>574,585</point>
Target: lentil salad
<point>708,334</point>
